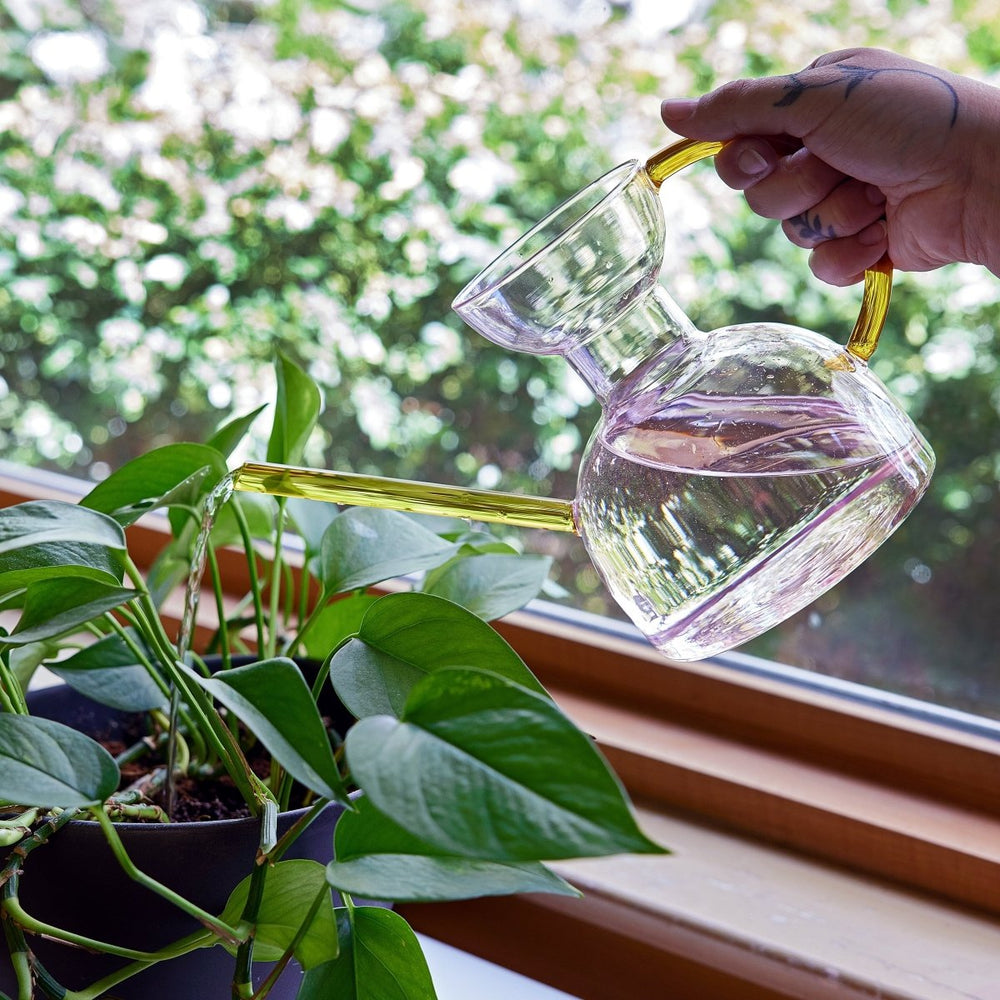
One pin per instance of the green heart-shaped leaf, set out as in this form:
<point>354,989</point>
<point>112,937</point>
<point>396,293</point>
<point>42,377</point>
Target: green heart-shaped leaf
<point>484,768</point>
<point>49,765</point>
<point>56,607</point>
<point>380,959</point>
<point>413,878</point>
<point>364,546</point>
<point>378,859</point>
<point>289,889</point>
<point>178,473</point>
<point>403,638</point>
<point>296,409</point>
<point>490,585</point>
<point>109,672</point>
<point>272,698</point>
<point>45,538</point>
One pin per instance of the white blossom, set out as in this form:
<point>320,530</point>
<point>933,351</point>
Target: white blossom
<point>69,56</point>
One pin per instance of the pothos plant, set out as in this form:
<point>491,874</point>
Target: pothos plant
<point>459,776</point>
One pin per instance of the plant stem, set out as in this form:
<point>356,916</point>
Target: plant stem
<point>258,603</point>
<point>148,614</point>
<point>11,695</point>
<point>289,952</point>
<point>296,640</point>
<point>305,582</point>
<point>214,924</point>
<point>224,649</point>
<point>173,745</point>
<point>293,832</point>
<point>15,858</point>
<point>208,721</point>
<point>284,790</point>
<point>17,827</point>
<point>138,652</point>
<point>199,939</point>
<point>17,946</point>
<point>149,623</point>
<point>243,973</point>
<point>276,564</point>
<point>15,912</point>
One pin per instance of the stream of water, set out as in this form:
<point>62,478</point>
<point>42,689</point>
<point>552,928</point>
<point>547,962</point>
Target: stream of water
<point>199,556</point>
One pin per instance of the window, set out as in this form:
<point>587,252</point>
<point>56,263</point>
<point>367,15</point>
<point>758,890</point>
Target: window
<point>183,190</point>
<point>183,187</point>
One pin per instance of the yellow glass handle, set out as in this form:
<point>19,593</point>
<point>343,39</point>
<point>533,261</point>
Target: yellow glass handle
<point>878,279</point>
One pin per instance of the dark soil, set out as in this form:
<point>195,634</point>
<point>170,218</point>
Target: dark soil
<point>195,799</point>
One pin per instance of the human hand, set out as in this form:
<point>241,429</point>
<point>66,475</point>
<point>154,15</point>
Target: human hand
<point>864,152</point>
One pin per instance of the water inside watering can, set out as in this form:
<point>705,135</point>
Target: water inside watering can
<point>712,520</point>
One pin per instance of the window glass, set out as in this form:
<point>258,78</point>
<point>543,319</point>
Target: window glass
<point>186,186</point>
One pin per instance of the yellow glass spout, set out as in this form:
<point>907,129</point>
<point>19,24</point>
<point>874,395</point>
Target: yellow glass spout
<point>403,494</point>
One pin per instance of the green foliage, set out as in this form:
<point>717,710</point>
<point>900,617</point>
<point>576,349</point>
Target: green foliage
<point>456,770</point>
<point>45,537</point>
<point>172,475</point>
<point>403,638</point>
<point>380,960</point>
<point>50,765</point>
<point>457,774</point>
<point>984,46</point>
<point>491,584</point>
<point>279,917</point>
<point>295,413</point>
<point>110,672</point>
<point>354,553</point>
<point>50,608</point>
<point>272,699</point>
<point>377,858</point>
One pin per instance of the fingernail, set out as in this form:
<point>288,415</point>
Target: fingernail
<point>676,109</point>
<point>751,162</point>
<point>873,235</point>
<point>874,194</point>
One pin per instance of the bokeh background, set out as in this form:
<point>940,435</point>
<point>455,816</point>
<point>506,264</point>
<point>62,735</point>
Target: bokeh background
<point>186,186</point>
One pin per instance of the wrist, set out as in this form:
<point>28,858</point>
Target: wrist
<point>982,195</point>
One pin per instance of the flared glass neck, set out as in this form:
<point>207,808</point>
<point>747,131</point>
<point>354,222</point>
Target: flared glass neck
<point>648,327</point>
<point>564,285</point>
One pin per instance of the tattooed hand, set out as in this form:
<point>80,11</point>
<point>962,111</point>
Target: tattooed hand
<point>862,153</point>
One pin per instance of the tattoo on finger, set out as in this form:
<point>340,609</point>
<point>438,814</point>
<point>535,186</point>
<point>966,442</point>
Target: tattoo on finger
<point>852,76</point>
<point>812,228</point>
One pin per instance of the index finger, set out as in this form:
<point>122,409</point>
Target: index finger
<point>769,106</point>
<point>793,104</point>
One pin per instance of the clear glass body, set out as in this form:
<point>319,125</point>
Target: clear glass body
<point>714,509</point>
<point>735,475</point>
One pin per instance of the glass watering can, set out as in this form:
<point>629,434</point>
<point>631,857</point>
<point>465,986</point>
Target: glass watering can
<point>733,477</point>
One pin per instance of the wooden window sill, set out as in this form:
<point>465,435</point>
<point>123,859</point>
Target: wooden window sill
<point>725,918</point>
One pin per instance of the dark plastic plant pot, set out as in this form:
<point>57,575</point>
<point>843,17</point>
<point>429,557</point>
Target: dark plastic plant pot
<point>75,882</point>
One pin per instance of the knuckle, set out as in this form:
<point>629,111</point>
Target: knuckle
<point>734,93</point>
<point>839,55</point>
